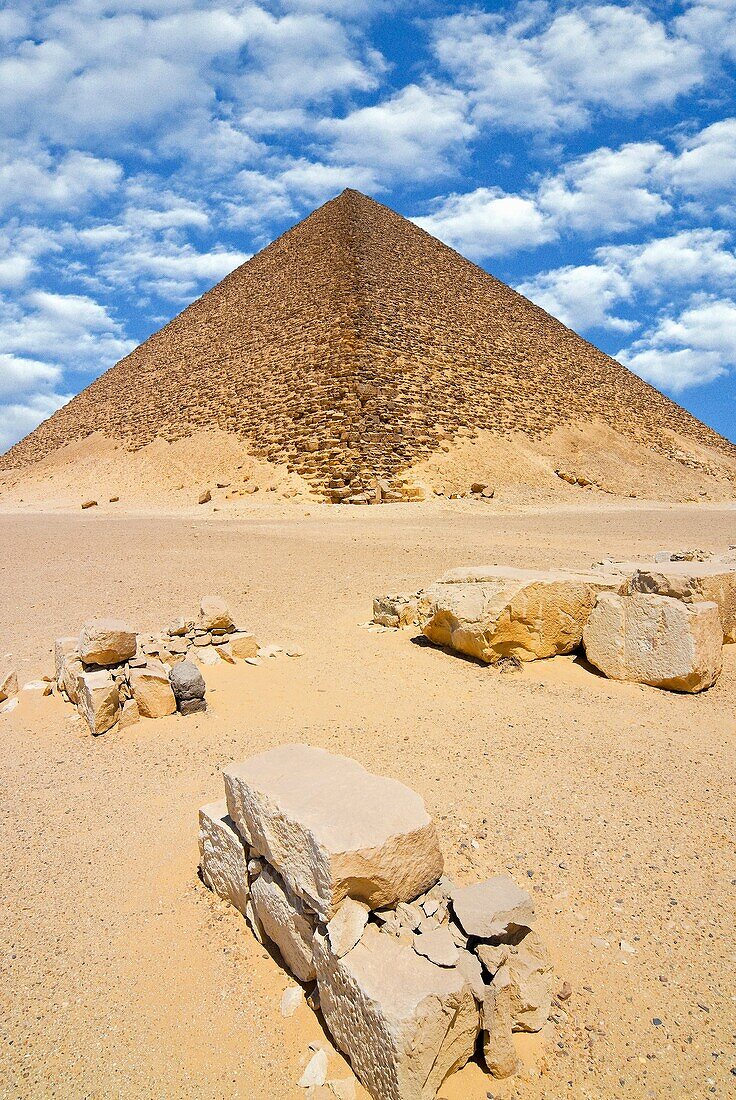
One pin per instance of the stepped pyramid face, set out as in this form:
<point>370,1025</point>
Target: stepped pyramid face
<point>351,348</point>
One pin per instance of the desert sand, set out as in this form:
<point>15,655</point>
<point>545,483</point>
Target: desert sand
<point>122,976</point>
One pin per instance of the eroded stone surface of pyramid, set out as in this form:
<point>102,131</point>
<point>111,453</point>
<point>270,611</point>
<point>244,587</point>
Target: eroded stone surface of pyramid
<point>351,348</point>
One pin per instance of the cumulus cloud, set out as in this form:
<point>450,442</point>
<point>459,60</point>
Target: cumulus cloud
<point>707,162</point>
<point>694,347</point>
<point>582,297</point>
<point>542,68</point>
<point>488,222</point>
<point>18,418</point>
<point>71,330</point>
<point>32,179</point>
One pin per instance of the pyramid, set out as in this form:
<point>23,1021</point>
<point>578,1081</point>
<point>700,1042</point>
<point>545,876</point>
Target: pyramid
<point>353,347</point>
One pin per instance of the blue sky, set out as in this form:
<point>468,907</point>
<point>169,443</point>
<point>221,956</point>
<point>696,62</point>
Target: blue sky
<point>584,153</point>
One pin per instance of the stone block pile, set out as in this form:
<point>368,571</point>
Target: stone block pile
<point>662,624</point>
<point>114,675</point>
<point>342,871</point>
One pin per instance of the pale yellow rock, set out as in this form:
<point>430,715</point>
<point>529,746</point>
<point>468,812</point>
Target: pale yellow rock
<point>223,856</point>
<point>99,700</point>
<point>530,969</point>
<point>347,926</point>
<point>71,670</point>
<point>404,1023</point>
<point>129,714</point>
<point>692,582</point>
<point>655,640</point>
<point>285,921</point>
<point>243,644</point>
<point>63,648</point>
<point>214,614</point>
<point>499,1052</point>
<point>106,642</point>
<point>8,683</point>
<point>152,691</point>
<point>492,612</point>
<point>332,829</point>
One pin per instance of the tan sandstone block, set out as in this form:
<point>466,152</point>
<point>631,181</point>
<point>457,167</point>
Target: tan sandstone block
<point>404,1023</point>
<point>243,644</point>
<point>655,640</point>
<point>214,614</point>
<point>106,642</point>
<point>223,856</point>
<point>99,700</point>
<point>499,1052</point>
<point>332,829</point>
<point>285,921</point>
<point>151,689</point>
<point>8,683</point>
<point>692,582</point>
<point>489,612</point>
<point>63,648</point>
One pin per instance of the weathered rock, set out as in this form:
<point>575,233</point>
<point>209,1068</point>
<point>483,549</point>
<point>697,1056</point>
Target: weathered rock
<point>63,648</point>
<point>397,610</point>
<point>106,642</point>
<point>204,497</point>
<point>315,1073</point>
<point>71,670</point>
<point>469,966</point>
<point>404,1023</point>
<point>655,640</point>
<point>151,690</point>
<point>223,856</point>
<point>529,968</point>
<point>179,627</point>
<point>291,999</point>
<point>499,1053</point>
<point>332,829</point>
<point>285,921</point>
<point>192,706</point>
<point>187,683</point>
<point>692,582</point>
<point>98,700</point>
<point>129,714</point>
<point>8,683</point>
<point>494,908</point>
<point>243,644</point>
<point>89,504</point>
<point>213,614</point>
<point>438,946</point>
<point>347,926</point>
<point>490,613</point>
<point>493,956</point>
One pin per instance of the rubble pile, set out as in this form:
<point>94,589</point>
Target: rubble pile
<point>114,675</point>
<point>342,871</point>
<point>661,623</point>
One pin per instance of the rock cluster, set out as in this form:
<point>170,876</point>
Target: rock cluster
<point>343,872</point>
<point>661,624</point>
<point>114,675</point>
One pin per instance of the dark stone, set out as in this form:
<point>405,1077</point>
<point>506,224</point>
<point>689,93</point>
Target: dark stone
<point>186,682</point>
<point>192,706</point>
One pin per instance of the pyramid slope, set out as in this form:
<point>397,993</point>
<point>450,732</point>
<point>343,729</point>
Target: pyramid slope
<point>351,348</point>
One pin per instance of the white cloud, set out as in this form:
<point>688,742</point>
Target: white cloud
<point>538,68</point>
<point>488,222</point>
<point>707,162</point>
<point>711,24</point>
<point>32,180</point>
<point>18,418</point>
<point>419,130</point>
<point>695,347</point>
<point>19,375</point>
<point>68,329</point>
<point>581,297</point>
<point>607,190</point>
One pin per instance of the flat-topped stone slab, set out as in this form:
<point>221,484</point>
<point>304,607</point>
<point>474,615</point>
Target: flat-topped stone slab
<point>496,907</point>
<point>490,612</point>
<point>106,642</point>
<point>655,640</point>
<point>404,1023</point>
<point>692,582</point>
<point>333,829</point>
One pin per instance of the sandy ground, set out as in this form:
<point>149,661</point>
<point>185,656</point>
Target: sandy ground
<point>121,976</point>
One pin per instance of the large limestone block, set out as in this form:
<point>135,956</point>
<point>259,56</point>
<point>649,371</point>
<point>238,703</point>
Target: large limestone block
<point>214,614</point>
<point>692,582</point>
<point>98,700</point>
<point>285,920</point>
<point>151,689</point>
<point>404,1023</point>
<point>655,640</point>
<point>106,642</point>
<point>223,856</point>
<point>332,829</point>
<point>490,613</point>
<point>63,648</point>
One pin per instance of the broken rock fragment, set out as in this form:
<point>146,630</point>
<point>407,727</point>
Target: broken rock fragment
<point>8,683</point>
<point>285,921</point>
<point>243,644</point>
<point>529,969</point>
<point>223,856</point>
<point>494,908</point>
<point>692,582</point>
<point>106,642</point>
<point>404,1023</point>
<point>438,946</point>
<point>332,829</point>
<point>655,640</point>
<point>347,925</point>
<point>498,1045</point>
<point>492,612</point>
<point>214,614</point>
<point>151,690</point>
<point>98,700</point>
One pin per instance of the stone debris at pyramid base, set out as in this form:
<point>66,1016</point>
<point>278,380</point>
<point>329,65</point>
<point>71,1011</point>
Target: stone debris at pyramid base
<point>661,624</point>
<point>114,676</point>
<point>341,871</point>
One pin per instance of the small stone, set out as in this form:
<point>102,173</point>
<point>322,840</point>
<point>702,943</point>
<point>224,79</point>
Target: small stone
<point>253,660</point>
<point>409,916</point>
<point>565,993</point>
<point>89,504</point>
<point>192,706</point>
<point>204,497</point>
<point>498,1046</point>
<point>347,925</point>
<point>151,690</point>
<point>129,714</point>
<point>437,946</point>
<point>214,613</point>
<point>627,948</point>
<point>494,908</point>
<point>179,627</point>
<point>315,1073</point>
<point>205,656</point>
<point>225,653</point>
<point>99,701</point>
<point>291,998</point>
<point>8,683</point>
<point>293,651</point>
<point>243,644</point>
<point>187,682</point>
<point>469,966</point>
<point>203,639</point>
<point>270,651</point>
